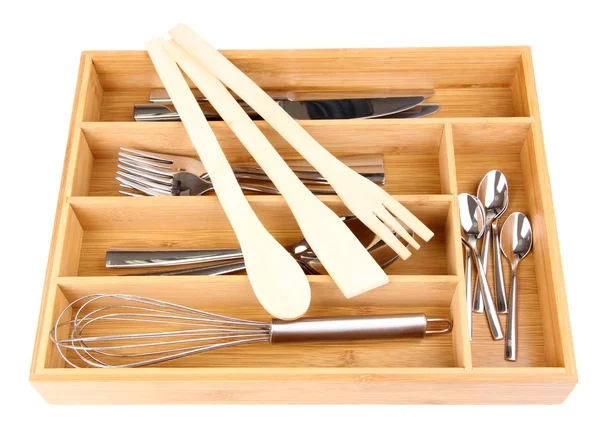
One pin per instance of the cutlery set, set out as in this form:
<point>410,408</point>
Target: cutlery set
<point>479,217</point>
<point>407,106</point>
<point>159,174</point>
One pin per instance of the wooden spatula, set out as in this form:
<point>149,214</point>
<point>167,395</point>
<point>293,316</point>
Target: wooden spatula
<point>350,265</point>
<point>370,203</point>
<point>276,278</point>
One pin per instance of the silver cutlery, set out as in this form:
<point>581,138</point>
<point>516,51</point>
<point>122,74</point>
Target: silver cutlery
<point>102,335</point>
<point>317,109</point>
<point>368,165</point>
<point>301,251</point>
<point>516,240</point>
<point>472,222</point>
<point>159,174</point>
<point>183,184</point>
<point>493,194</point>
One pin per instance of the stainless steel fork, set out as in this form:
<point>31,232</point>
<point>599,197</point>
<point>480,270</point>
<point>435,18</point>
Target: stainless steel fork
<point>160,174</point>
<point>182,184</point>
<point>368,165</point>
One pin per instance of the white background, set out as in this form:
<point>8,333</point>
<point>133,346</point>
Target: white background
<point>40,48</point>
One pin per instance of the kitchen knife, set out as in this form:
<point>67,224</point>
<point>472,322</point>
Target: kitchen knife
<point>326,109</point>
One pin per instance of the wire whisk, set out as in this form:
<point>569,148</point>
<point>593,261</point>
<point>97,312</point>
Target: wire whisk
<point>134,331</point>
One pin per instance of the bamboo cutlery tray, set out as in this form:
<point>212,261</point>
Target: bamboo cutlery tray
<point>489,119</point>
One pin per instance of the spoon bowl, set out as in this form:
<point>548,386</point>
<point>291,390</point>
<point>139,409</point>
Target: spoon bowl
<point>472,219</point>
<point>493,194</point>
<point>516,239</point>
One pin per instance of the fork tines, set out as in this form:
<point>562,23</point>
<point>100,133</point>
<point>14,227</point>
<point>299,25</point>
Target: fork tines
<point>146,172</point>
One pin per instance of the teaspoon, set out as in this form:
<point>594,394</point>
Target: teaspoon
<point>515,239</point>
<point>493,194</point>
<point>472,222</point>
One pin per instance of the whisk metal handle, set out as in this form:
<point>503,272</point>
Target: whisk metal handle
<point>354,328</point>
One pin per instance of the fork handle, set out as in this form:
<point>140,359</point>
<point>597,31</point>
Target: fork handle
<point>122,258</point>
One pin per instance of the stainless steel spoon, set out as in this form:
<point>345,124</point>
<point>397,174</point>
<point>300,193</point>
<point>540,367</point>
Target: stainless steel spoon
<point>516,239</point>
<point>472,222</point>
<point>493,194</point>
<point>381,252</point>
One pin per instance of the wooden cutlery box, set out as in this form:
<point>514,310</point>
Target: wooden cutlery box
<point>489,119</point>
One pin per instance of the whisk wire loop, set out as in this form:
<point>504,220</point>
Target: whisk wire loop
<point>196,331</point>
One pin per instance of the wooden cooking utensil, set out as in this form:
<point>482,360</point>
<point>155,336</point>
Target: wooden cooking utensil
<point>276,278</point>
<point>347,261</point>
<point>371,204</point>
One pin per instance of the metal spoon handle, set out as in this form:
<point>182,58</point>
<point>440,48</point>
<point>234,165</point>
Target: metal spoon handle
<point>117,258</point>
<point>498,275</point>
<point>511,326</point>
<point>469,290</point>
<point>206,270</point>
<point>478,305</point>
<point>488,301</point>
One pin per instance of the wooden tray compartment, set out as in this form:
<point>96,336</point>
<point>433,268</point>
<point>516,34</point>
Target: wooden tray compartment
<point>199,222</point>
<point>232,296</point>
<point>489,120</point>
<point>468,82</point>
<point>479,149</point>
<point>411,152</point>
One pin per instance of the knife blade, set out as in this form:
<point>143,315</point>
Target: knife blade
<point>326,109</point>
<point>422,110</point>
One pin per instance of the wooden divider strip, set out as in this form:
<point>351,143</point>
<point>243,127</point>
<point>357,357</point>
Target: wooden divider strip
<point>555,289</point>
<point>86,107</point>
